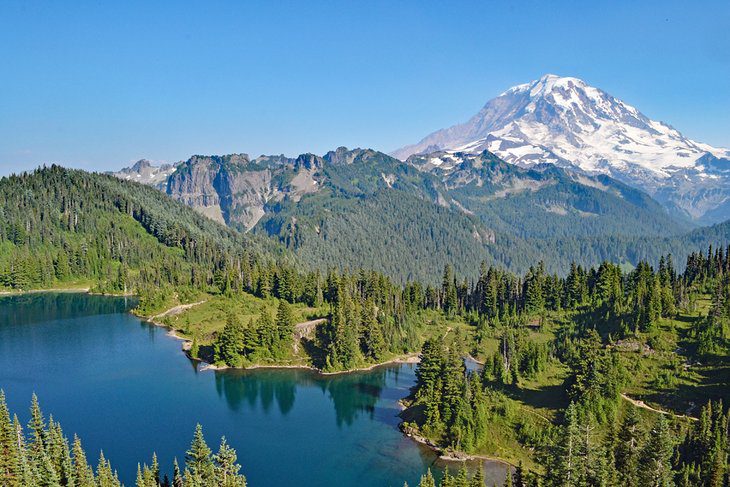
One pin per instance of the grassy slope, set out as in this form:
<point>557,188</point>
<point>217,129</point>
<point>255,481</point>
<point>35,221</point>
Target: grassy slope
<point>665,377</point>
<point>206,320</point>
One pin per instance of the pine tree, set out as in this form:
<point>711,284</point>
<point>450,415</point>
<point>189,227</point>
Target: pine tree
<point>448,288</point>
<point>104,474</point>
<point>62,269</point>
<point>567,467</point>
<point>82,472</point>
<point>229,345</point>
<point>45,472</point>
<point>10,460</point>
<point>427,480</point>
<point>177,479</point>
<point>628,448</point>
<point>655,469</point>
<point>268,334</point>
<point>37,427</point>
<point>284,324</point>
<point>198,460</point>
<point>373,343</point>
<point>447,480</point>
<point>478,479</point>
<point>195,348</point>
<point>462,479</point>
<point>226,468</point>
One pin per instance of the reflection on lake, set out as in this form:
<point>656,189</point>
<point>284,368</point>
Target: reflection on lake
<point>124,386</point>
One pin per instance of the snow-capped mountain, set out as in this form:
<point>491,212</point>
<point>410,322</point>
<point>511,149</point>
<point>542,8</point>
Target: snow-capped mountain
<point>144,172</point>
<point>564,121</point>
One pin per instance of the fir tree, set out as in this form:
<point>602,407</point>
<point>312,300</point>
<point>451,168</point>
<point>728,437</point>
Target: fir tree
<point>655,469</point>
<point>198,462</point>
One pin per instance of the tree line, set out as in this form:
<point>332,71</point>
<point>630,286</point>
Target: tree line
<point>597,442</point>
<point>42,456</point>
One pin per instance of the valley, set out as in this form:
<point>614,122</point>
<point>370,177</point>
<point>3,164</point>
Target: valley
<point>365,244</point>
<point>562,352</point>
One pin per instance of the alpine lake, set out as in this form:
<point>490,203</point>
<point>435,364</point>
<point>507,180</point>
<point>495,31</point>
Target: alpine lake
<point>124,387</point>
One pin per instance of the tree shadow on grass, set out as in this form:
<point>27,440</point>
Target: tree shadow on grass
<point>552,397</point>
<point>714,384</point>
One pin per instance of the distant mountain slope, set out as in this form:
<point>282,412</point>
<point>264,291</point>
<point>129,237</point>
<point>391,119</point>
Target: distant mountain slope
<point>144,172</point>
<point>566,122</point>
<point>234,189</point>
<point>545,201</point>
<point>362,208</point>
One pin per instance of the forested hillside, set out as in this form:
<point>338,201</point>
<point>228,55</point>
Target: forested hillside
<point>62,225</point>
<point>409,219</point>
<point>567,355</point>
<point>568,365</point>
<point>360,207</point>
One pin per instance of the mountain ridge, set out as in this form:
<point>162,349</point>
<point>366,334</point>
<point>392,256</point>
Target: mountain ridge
<point>565,121</point>
<point>353,208</point>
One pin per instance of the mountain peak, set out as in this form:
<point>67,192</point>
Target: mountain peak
<point>545,84</point>
<point>565,121</point>
<point>141,165</point>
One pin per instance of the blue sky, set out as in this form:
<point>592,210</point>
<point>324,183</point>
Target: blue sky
<point>101,84</point>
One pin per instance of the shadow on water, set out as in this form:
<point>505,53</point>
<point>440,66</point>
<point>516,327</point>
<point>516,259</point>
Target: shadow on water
<point>24,309</point>
<point>351,394</point>
<point>126,375</point>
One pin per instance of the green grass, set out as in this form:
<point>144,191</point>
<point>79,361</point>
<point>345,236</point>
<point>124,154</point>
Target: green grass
<point>67,285</point>
<point>664,373</point>
<point>670,376</point>
<point>207,319</point>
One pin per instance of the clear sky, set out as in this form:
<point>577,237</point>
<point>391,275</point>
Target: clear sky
<point>101,84</point>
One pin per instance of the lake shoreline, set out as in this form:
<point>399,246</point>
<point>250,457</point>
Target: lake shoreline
<point>452,455</point>
<point>80,290</point>
<point>410,358</point>
<point>64,290</point>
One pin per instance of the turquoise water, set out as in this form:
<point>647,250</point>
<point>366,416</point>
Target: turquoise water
<point>125,387</point>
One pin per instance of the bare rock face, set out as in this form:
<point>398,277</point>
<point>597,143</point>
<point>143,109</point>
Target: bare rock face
<point>235,190</point>
<point>143,171</point>
<point>194,183</point>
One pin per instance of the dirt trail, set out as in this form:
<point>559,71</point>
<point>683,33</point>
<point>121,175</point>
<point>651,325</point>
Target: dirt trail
<point>175,310</point>
<point>641,404</point>
<point>305,330</point>
<point>307,327</point>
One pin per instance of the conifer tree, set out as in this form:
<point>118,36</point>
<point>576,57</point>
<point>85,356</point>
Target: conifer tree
<point>195,348</point>
<point>427,480</point>
<point>177,479</point>
<point>82,473</point>
<point>478,479</point>
<point>628,448</point>
<point>373,343</point>
<point>198,462</point>
<point>226,468</point>
<point>462,479</point>
<point>655,469</point>
<point>37,426</point>
<point>230,344</point>
<point>10,460</point>
<point>284,324</point>
<point>105,477</point>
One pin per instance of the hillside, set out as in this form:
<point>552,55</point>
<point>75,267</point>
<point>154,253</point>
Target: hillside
<point>59,225</point>
<point>362,208</point>
<point>561,354</point>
